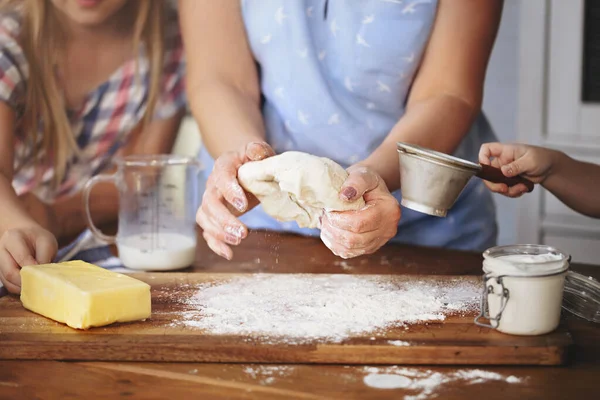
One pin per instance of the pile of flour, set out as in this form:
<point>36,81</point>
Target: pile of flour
<point>422,384</point>
<point>306,308</point>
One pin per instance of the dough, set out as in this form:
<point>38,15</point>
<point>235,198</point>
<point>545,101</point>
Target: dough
<point>295,186</point>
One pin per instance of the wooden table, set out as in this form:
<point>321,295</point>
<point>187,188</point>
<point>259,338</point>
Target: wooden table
<point>274,253</point>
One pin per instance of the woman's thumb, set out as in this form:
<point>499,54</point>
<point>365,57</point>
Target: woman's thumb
<point>256,151</point>
<point>359,181</point>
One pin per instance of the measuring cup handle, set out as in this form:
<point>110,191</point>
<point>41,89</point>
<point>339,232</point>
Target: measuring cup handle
<point>87,190</point>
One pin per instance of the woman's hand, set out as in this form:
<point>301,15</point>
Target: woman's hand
<point>224,199</point>
<point>533,163</point>
<point>354,233</point>
<point>19,247</point>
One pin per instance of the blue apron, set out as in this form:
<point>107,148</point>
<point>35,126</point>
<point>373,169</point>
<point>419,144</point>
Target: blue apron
<point>335,78</point>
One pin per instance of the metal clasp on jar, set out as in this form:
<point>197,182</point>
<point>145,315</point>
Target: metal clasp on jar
<point>484,305</point>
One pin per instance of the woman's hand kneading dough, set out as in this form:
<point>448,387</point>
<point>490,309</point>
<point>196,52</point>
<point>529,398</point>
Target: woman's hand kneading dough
<point>354,209</point>
<point>354,233</point>
<point>224,199</point>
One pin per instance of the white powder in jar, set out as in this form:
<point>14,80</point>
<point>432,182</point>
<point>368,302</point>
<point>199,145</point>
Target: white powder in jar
<point>531,258</point>
<point>535,283</point>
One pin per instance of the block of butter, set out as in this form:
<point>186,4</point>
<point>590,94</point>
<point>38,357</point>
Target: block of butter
<point>83,295</point>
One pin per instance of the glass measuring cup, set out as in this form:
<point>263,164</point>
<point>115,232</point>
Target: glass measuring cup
<point>158,197</point>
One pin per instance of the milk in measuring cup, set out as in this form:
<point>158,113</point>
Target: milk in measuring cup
<point>171,251</point>
<point>158,197</point>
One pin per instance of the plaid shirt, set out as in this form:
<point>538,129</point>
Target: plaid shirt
<point>104,122</point>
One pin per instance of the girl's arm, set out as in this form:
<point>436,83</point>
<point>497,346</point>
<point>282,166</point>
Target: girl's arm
<point>575,183</point>
<point>22,240</point>
<point>14,214</point>
<point>28,227</point>
<point>447,92</point>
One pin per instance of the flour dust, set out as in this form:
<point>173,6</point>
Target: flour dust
<point>422,384</point>
<point>301,308</point>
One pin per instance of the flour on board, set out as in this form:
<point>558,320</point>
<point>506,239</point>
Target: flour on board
<point>296,308</point>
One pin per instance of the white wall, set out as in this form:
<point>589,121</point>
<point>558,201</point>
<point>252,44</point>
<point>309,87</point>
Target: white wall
<point>500,104</point>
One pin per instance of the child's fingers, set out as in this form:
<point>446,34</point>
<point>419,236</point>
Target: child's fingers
<point>515,168</point>
<point>17,247</point>
<point>521,163</point>
<point>45,248</point>
<point>517,190</point>
<point>489,151</point>
<point>12,288</point>
<point>501,188</point>
<point>496,163</point>
<point>9,272</point>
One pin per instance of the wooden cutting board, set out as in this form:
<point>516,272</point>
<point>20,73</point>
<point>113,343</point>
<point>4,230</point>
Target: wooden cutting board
<point>456,340</point>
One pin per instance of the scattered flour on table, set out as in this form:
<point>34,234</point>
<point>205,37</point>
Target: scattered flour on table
<point>306,308</point>
<point>387,381</point>
<point>345,265</point>
<point>268,374</point>
<point>399,342</point>
<point>422,384</point>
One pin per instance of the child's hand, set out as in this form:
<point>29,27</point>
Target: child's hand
<point>24,246</point>
<point>533,163</point>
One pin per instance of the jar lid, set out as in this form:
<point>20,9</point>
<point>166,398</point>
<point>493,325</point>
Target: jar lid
<point>582,296</point>
<point>525,260</point>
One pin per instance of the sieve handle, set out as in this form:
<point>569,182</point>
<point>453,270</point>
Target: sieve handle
<point>87,190</point>
<point>495,175</point>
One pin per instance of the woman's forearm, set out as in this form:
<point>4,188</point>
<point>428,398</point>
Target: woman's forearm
<point>222,80</point>
<point>438,123</point>
<point>575,183</point>
<point>447,91</point>
<point>227,117</point>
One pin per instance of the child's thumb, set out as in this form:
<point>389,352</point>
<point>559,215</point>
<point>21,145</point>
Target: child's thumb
<point>515,168</point>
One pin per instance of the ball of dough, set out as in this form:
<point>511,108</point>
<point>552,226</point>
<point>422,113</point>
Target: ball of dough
<point>295,186</point>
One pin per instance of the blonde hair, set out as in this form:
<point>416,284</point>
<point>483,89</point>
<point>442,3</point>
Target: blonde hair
<point>40,38</point>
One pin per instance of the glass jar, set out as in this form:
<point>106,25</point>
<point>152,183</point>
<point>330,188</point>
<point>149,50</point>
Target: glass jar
<point>523,288</point>
<point>582,296</point>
